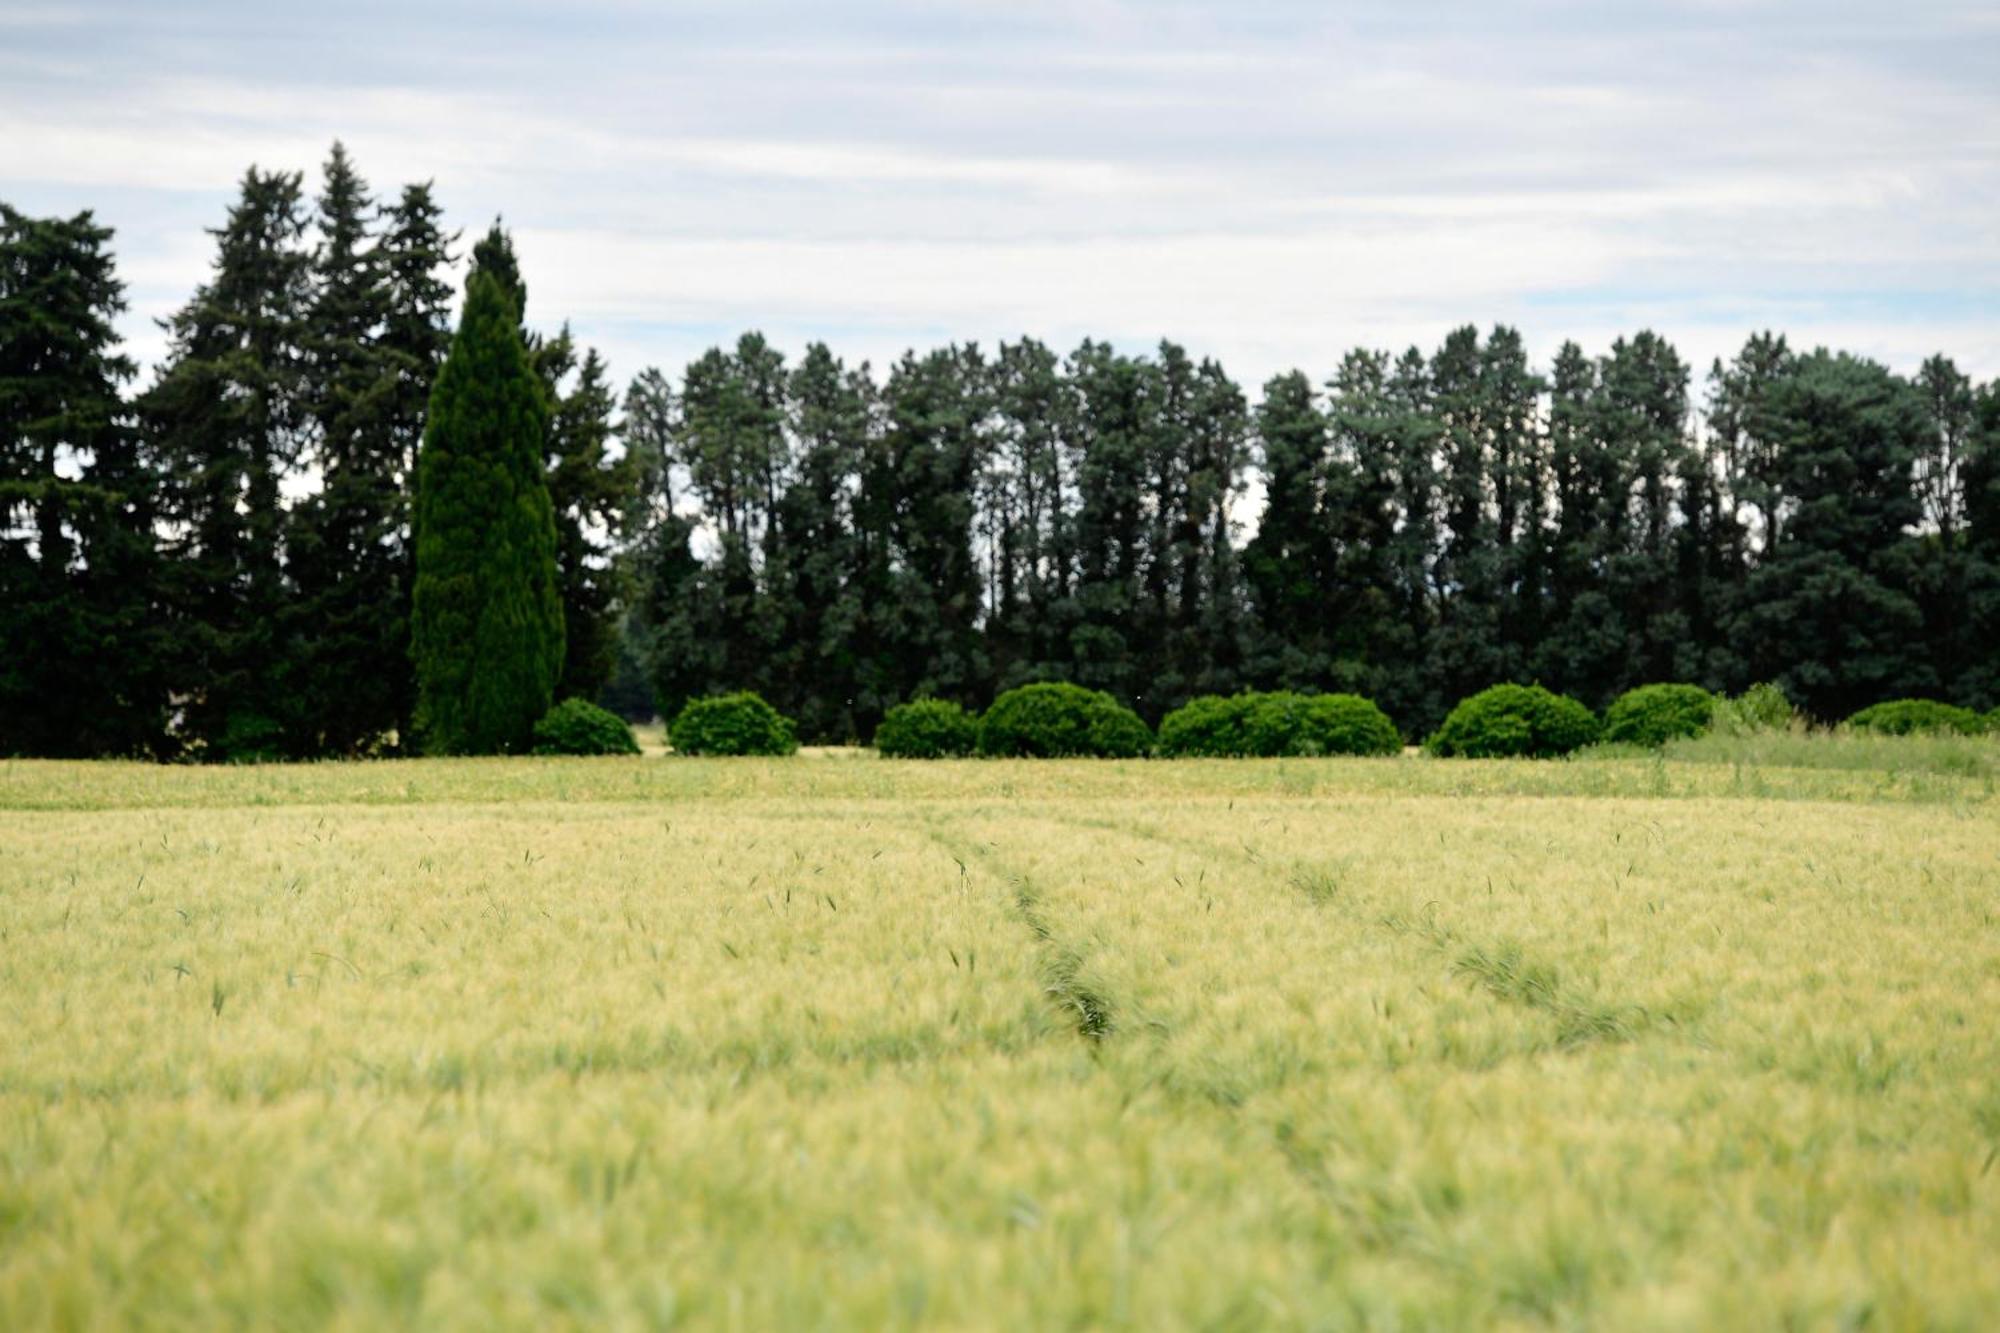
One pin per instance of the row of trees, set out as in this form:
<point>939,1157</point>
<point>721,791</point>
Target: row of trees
<point>1431,524</point>
<point>265,553</point>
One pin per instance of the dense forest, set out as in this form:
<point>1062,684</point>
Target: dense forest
<point>222,563</point>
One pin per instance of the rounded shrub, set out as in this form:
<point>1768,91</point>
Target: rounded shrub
<point>1311,724</point>
<point>1213,726</point>
<point>1507,721</point>
<point>740,723</point>
<point>1652,715</point>
<point>578,726</point>
<point>1993,722</point>
<point>1054,720</point>
<point>1278,723</point>
<point>926,729</point>
<point>1914,717</point>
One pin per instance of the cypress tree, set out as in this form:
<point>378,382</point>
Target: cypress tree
<point>487,628</point>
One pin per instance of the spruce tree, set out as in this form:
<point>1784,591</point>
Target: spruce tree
<point>415,253</point>
<point>225,422</point>
<point>347,558</point>
<point>80,669</point>
<point>487,627</point>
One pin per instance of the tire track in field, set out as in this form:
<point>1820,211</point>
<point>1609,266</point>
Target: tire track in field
<point>1087,1008</point>
<point>1502,969</point>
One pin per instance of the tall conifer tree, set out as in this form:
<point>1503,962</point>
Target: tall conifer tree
<point>79,655</point>
<point>487,630</point>
<point>225,422</point>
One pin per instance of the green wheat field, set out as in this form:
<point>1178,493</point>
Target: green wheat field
<point>1703,1042</point>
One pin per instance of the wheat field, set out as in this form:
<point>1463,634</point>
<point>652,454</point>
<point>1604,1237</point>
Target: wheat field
<point>836,1042</point>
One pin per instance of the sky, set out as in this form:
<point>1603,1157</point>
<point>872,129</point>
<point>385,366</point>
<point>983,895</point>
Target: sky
<point>1269,182</point>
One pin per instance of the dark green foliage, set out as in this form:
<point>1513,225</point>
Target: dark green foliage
<point>223,427</point>
<point>1212,726</point>
<point>81,669</point>
<point>1911,717</point>
<point>1827,610</point>
<point>1652,715</point>
<point>926,729</point>
<point>577,726</point>
<point>732,724</point>
<point>591,493</point>
<point>228,567</point>
<point>1515,721</point>
<point>1052,720</point>
<point>487,636</point>
<point>375,336</point>
<point>1320,724</point>
<point>1280,723</point>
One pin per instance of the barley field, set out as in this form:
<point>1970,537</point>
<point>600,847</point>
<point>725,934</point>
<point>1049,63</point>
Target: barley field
<point>1709,1042</point>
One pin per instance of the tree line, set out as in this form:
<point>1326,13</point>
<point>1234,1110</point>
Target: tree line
<point>260,553</point>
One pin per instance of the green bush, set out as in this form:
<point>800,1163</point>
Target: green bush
<point>1652,715</point>
<point>1053,720</point>
<point>926,729</point>
<point>578,726</point>
<point>1280,723</point>
<point>1211,726</point>
<point>1993,722</point>
<point>1761,708</point>
<point>1515,720</point>
<point>739,723</point>
<point>1914,717</point>
<point>1322,724</point>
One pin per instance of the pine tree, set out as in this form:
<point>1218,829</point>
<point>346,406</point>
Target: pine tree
<point>1827,611</point>
<point>1025,522</point>
<point>1116,631</point>
<point>80,672</point>
<point>1289,563</point>
<point>487,631</point>
<point>1941,556</point>
<point>1979,682</point>
<point>814,557</point>
<point>225,422</point>
<point>919,480</point>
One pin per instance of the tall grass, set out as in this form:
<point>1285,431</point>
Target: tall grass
<point>1611,1043</point>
